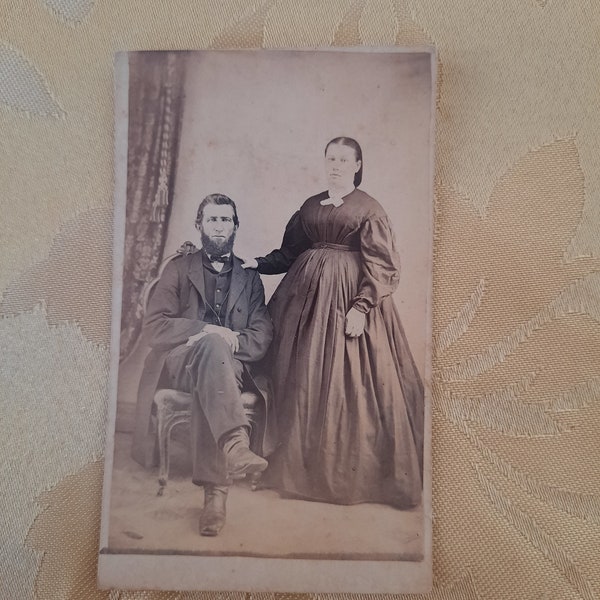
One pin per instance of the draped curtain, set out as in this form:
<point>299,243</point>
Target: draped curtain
<point>155,110</point>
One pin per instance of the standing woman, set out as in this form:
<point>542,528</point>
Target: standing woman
<point>348,395</point>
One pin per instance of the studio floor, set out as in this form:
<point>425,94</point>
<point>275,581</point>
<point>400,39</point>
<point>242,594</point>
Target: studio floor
<point>259,523</point>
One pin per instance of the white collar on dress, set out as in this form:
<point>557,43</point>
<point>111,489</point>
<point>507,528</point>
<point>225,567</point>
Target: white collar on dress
<point>336,198</point>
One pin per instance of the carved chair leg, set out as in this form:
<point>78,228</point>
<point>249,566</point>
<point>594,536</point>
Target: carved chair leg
<point>164,432</point>
<point>254,478</point>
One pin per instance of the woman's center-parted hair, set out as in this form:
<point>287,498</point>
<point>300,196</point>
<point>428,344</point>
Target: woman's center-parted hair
<point>351,143</point>
<point>218,199</point>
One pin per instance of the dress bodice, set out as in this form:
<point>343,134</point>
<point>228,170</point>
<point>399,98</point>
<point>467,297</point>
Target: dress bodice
<point>361,223</point>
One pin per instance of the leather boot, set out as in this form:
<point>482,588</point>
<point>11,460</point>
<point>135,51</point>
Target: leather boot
<point>241,461</point>
<point>212,518</point>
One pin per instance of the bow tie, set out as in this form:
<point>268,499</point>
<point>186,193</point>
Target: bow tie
<point>332,200</point>
<point>224,258</point>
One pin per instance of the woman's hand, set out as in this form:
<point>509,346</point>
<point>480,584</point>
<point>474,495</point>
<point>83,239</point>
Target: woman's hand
<point>250,263</point>
<point>355,323</point>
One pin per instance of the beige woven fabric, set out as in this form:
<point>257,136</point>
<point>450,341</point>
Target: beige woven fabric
<point>516,283</point>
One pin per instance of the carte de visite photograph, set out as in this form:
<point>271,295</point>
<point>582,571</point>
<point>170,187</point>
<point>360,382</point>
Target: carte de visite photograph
<point>269,421</point>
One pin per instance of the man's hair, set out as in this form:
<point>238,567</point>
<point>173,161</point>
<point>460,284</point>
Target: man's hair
<point>216,199</point>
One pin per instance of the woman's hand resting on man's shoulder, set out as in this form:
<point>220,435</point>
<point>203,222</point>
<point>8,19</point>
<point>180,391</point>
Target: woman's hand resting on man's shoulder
<point>250,263</point>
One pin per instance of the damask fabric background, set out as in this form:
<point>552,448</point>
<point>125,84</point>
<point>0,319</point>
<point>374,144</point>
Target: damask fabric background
<point>516,387</point>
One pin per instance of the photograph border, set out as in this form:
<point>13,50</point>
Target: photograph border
<point>238,573</point>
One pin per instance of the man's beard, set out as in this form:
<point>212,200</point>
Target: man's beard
<point>212,247</point>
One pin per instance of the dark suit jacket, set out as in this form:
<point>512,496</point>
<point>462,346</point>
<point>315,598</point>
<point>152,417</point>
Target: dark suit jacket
<point>172,317</point>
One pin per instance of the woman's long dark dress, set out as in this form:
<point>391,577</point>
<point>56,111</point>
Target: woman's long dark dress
<point>350,409</point>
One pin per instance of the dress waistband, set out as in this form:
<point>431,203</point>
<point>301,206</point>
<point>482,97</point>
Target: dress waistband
<point>329,246</point>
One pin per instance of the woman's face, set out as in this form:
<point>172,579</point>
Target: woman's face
<point>341,165</point>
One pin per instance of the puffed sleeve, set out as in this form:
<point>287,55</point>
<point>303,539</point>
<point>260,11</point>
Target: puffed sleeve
<point>380,263</point>
<point>295,242</point>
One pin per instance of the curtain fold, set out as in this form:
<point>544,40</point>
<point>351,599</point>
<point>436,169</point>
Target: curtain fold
<point>156,83</point>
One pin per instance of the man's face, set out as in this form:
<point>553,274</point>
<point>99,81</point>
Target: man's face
<point>217,229</point>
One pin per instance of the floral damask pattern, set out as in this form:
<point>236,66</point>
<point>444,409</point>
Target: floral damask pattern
<point>22,87</point>
<point>54,398</point>
<point>73,12</point>
<point>516,488</point>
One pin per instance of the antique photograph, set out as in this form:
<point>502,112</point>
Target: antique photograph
<point>269,426</point>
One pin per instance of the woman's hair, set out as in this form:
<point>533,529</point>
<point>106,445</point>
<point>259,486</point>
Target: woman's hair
<point>351,143</point>
<point>216,199</point>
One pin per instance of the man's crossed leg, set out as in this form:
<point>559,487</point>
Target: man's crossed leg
<point>220,429</point>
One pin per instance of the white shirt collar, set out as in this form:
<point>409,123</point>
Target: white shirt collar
<point>225,254</point>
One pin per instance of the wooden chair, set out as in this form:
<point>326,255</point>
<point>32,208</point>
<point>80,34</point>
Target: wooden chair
<point>172,407</point>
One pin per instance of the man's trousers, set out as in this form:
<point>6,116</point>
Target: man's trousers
<point>209,371</point>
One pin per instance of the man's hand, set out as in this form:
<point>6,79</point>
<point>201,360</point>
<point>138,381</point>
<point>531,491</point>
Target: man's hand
<point>250,263</point>
<point>355,323</point>
<point>229,336</point>
<point>194,338</point>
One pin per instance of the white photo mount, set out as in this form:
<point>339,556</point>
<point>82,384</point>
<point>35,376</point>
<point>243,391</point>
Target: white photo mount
<point>253,126</point>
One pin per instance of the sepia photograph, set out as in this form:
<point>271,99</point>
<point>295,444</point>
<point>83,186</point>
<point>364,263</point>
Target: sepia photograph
<point>269,427</point>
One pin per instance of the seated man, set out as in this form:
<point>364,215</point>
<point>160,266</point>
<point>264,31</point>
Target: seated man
<point>207,322</point>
